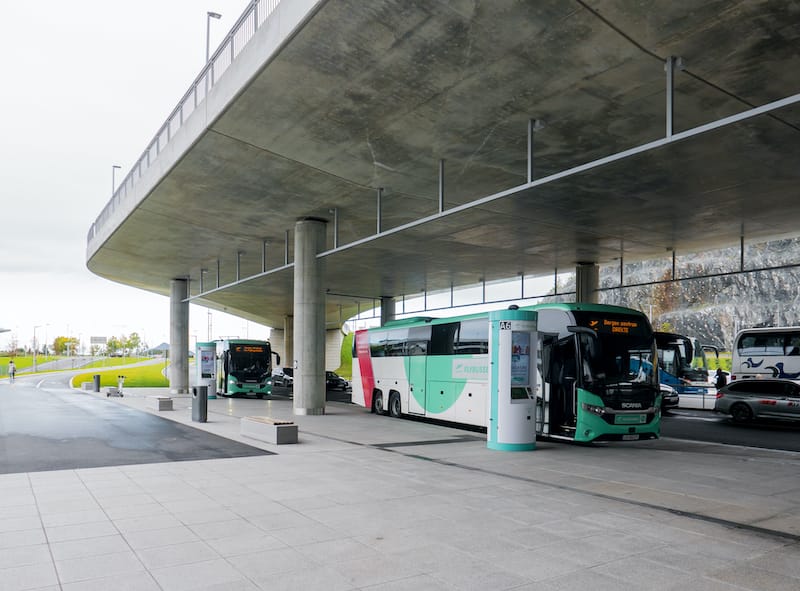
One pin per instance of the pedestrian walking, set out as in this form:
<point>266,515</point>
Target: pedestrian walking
<point>12,370</point>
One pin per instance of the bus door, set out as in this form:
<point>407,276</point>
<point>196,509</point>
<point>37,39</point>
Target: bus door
<point>562,380</point>
<point>223,366</point>
<point>544,386</point>
<point>713,377</point>
<point>416,370</point>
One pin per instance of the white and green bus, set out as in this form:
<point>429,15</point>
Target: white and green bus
<point>595,371</point>
<point>244,366</point>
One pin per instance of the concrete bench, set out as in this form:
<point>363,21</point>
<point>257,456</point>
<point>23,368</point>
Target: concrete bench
<point>87,386</point>
<point>159,402</point>
<point>112,391</point>
<point>267,429</point>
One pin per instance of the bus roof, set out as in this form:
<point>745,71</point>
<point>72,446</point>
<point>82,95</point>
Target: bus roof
<point>566,307</point>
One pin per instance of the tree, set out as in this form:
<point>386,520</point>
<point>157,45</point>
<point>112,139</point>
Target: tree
<point>133,342</point>
<point>65,345</point>
<point>114,346</point>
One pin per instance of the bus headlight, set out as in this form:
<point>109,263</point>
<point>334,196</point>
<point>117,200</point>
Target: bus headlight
<point>597,410</point>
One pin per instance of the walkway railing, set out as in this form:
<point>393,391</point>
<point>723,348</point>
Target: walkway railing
<point>253,17</point>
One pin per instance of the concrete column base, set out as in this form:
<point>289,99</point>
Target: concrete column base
<point>309,411</point>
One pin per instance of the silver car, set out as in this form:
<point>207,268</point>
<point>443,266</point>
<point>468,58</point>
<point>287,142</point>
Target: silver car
<point>746,400</point>
<point>283,377</point>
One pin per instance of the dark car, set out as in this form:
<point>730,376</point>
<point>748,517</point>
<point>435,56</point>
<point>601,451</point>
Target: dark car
<point>283,377</point>
<point>746,400</point>
<point>669,397</point>
<point>335,382</point>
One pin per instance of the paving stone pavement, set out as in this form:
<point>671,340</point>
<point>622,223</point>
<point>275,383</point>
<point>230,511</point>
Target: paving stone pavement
<point>372,503</point>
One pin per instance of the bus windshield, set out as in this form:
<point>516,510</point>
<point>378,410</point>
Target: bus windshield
<point>679,357</point>
<point>250,362</point>
<point>616,349</point>
<point>613,361</point>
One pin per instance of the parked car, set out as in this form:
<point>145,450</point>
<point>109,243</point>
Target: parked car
<point>335,382</point>
<point>746,400</point>
<point>669,397</point>
<point>283,377</point>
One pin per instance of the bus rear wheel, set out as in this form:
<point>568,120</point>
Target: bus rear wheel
<point>377,403</point>
<point>395,409</point>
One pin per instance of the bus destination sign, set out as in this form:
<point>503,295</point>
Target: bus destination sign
<point>622,326</point>
<point>249,348</point>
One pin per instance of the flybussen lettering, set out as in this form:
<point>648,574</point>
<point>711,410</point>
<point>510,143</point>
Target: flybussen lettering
<point>470,369</point>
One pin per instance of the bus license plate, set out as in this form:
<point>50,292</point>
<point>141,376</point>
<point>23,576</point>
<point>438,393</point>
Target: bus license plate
<point>630,419</point>
<point>633,437</point>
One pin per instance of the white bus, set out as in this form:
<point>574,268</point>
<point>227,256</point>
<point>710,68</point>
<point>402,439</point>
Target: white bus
<point>595,367</point>
<point>766,353</point>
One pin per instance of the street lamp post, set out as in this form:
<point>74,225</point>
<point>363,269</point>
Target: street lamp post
<point>209,16</point>
<point>114,168</point>
<point>34,345</point>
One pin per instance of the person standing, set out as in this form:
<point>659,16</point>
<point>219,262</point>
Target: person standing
<point>12,370</point>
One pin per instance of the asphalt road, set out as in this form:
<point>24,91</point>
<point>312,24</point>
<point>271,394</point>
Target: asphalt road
<point>44,425</point>
<point>699,425</point>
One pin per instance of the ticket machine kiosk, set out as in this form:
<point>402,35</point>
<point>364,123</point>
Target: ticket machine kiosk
<point>513,342</point>
<point>206,364</point>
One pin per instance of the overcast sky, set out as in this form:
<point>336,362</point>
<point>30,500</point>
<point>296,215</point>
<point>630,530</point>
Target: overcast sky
<point>85,86</point>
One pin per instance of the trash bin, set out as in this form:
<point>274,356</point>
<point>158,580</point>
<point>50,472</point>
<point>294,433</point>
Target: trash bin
<point>96,378</point>
<point>200,404</point>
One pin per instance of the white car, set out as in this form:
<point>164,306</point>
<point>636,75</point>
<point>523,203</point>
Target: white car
<point>283,377</point>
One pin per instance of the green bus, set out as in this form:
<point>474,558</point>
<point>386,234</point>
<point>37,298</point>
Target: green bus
<point>595,378</point>
<point>244,367</point>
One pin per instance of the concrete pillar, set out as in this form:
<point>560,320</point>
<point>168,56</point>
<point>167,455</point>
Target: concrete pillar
<point>309,317</point>
<point>587,280</point>
<point>288,342</point>
<point>178,337</point>
<point>387,309</point>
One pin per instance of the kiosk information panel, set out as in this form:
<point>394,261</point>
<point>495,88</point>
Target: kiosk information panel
<point>513,341</point>
<point>206,356</point>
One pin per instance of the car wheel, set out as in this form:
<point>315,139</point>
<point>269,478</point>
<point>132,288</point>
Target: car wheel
<point>741,413</point>
<point>395,408</point>
<point>377,404</point>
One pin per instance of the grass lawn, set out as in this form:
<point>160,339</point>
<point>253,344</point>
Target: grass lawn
<point>23,362</point>
<point>113,361</point>
<point>142,376</point>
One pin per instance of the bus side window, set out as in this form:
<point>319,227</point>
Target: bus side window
<point>793,344</point>
<point>443,338</point>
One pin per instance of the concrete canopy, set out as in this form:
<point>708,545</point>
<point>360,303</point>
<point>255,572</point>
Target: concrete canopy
<point>332,100</point>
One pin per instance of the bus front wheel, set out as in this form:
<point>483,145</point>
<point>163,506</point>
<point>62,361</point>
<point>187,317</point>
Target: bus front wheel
<point>395,409</point>
<point>377,403</point>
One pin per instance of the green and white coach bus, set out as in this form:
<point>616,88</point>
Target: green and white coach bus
<point>595,378</point>
<point>244,367</point>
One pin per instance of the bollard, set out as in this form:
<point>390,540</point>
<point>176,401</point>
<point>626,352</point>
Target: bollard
<point>96,379</point>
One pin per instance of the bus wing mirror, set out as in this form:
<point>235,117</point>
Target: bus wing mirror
<point>582,330</point>
<point>277,358</point>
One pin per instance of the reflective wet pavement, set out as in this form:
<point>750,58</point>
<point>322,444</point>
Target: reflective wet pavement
<point>57,429</point>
